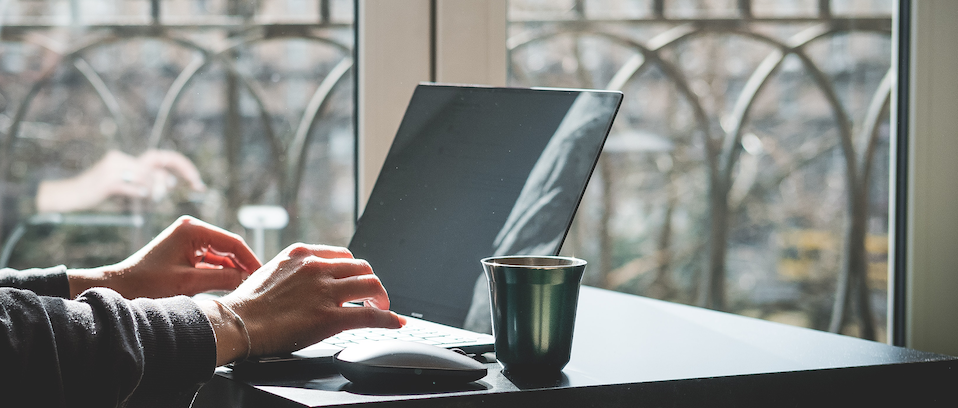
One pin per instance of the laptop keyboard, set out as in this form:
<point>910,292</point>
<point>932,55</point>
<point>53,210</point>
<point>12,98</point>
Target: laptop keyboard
<point>411,332</point>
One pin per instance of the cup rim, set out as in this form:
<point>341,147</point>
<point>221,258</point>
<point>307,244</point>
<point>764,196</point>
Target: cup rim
<point>497,261</point>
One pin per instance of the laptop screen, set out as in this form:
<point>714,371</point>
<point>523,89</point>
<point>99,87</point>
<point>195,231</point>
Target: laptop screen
<point>476,172</point>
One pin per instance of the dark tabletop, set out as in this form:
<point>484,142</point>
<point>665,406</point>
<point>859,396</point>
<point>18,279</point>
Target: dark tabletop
<point>635,351</point>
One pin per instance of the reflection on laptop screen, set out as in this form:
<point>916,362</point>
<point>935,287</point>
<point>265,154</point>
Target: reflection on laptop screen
<point>476,172</point>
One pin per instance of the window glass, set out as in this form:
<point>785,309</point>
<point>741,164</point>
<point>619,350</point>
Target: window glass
<point>98,103</point>
<point>747,170</point>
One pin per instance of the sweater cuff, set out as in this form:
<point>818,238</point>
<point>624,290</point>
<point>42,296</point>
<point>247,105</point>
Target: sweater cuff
<point>45,282</point>
<point>179,350</point>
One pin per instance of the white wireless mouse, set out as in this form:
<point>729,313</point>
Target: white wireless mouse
<point>398,362</point>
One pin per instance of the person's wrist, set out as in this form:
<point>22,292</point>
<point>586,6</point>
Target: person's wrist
<point>231,342</point>
<point>83,279</point>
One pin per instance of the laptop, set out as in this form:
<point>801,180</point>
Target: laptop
<point>472,172</point>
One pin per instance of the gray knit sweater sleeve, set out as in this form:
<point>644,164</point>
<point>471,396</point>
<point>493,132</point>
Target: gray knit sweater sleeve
<point>46,282</point>
<point>100,349</point>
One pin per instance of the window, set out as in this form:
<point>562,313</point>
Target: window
<point>769,226</point>
<point>257,95</point>
<point>748,167</point>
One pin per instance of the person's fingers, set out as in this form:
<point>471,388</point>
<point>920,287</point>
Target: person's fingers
<point>322,251</point>
<point>362,288</point>
<point>358,317</point>
<point>162,179</point>
<point>213,257</point>
<point>176,163</point>
<point>339,268</point>
<point>121,174</point>
<point>220,244</point>
<point>235,254</point>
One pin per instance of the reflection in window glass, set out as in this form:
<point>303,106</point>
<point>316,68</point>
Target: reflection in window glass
<point>97,102</point>
<point>747,170</point>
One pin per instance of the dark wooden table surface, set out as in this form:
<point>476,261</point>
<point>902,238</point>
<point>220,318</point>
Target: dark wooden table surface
<point>635,351</point>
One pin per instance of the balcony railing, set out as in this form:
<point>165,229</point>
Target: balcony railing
<point>265,117</point>
<point>723,110</point>
<point>747,170</point>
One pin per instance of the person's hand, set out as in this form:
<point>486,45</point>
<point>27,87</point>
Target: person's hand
<point>188,257</point>
<point>151,174</point>
<point>296,300</point>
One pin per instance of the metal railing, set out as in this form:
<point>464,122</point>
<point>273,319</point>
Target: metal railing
<point>242,28</point>
<point>717,133</point>
<point>703,158</point>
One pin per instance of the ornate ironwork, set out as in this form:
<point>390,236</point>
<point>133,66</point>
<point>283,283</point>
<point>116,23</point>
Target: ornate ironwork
<point>287,150</point>
<point>856,140</point>
<point>723,144</point>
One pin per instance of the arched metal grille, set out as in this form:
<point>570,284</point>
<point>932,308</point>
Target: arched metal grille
<point>745,172</point>
<point>231,73</point>
<point>679,208</point>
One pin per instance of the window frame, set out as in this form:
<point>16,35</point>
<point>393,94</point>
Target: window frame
<point>400,44</point>
<point>925,225</point>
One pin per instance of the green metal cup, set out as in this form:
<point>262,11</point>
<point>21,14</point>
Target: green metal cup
<point>534,301</point>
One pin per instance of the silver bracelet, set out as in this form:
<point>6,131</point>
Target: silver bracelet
<point>242,325</point>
